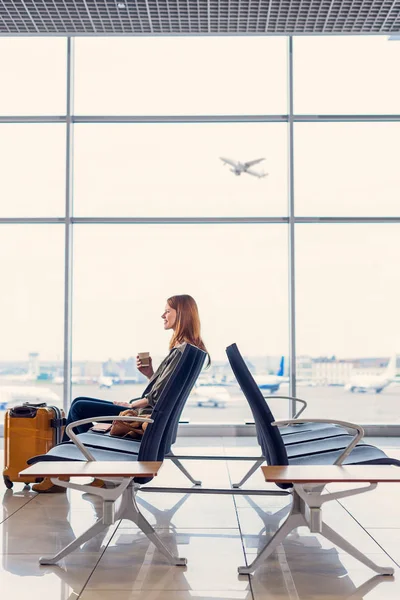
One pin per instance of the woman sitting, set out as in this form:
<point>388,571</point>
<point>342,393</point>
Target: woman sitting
<point>182,316</point>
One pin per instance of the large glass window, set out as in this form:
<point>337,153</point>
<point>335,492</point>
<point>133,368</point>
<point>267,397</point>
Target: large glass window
<point>347,303</point>
<point>33,76</point>
<point>31,313</point>
<point>122,278</point>
<point>32,159</point>
<point>347,169</point>
<point>336,75</point>
<point>176,170</point>
<point>125,166</point>
<point>187,75</point>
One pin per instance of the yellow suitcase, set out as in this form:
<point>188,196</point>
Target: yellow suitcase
<point>29,430</point>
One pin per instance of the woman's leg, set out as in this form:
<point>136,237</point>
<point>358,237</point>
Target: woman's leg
<point>83,408</point>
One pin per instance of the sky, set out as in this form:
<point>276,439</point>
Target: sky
<point>347,279</point>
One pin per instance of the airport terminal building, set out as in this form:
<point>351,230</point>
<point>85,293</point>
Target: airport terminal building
<point>244,153</point>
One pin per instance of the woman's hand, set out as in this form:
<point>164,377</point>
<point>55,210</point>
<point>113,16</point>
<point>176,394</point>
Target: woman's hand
<point>122,403</point>
<point>146,371</point>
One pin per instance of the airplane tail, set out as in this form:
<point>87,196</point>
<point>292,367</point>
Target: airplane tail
<point>391,367</point>
<point>281,369</point>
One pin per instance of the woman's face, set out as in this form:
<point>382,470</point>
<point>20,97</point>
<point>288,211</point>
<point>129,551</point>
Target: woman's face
<point>169,317</point>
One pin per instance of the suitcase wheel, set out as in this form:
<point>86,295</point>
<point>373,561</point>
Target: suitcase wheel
<point>8,483</point>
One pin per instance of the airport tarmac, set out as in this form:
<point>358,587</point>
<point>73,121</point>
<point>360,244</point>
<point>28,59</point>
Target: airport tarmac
<point>323,401</point>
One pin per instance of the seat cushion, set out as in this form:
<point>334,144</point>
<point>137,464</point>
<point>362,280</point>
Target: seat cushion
<point>364,454</point>
<point>317,434</point>
<point>317,446</point>
<point>69,451</point>
<point>289,429</point>
<point>118,444</point>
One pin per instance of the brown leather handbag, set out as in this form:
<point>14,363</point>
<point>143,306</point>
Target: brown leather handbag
<point>131,429</point>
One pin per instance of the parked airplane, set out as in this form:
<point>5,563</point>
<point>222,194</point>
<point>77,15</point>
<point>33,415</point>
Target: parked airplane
<point>105,382</point>
<point>373,383</point>
<point>14,395</point>
<point>271,383</point>
<point>211,394</point>
<point>238,167</point>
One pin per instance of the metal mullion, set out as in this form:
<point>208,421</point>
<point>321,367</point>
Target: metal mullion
<point>32,220</point>
<point>181,119</point>
<point>344,118</point>
<point>224,118</point>
<point>32,119</point>
<point>197,220</point>
<point>177,220</point>
<point>68,232</point>
<point>354,220</point>
<point>291,248</point>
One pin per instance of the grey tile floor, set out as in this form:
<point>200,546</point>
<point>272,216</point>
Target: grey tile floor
<point>215,533</point>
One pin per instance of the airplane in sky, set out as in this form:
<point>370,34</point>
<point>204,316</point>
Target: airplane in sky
<point>373,383</point>
<point>271,383</point>
<point>238,167</point>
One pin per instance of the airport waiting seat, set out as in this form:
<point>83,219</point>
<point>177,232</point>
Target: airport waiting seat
<point>102,441</point>
<point>308,498</point>
<point>155,442</point>
<point>301,438</point>
<point>273,444</point>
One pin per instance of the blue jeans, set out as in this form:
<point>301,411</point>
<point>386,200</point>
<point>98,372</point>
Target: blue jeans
<point>83,408</point>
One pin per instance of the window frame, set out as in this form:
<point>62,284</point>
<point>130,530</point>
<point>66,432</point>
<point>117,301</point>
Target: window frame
<point>291,220</point>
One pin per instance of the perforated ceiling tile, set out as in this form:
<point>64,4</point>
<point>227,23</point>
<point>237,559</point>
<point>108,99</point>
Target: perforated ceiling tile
<point>127,17</point>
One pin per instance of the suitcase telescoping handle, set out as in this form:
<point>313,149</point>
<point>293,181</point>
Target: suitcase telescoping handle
<point>27,411</point>
<point>23,412</point>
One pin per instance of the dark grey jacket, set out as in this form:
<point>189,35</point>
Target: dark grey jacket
<point>158,381</point>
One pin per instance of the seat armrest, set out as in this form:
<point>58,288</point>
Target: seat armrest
<point>73,437</point>
<point>357,438</point>
<point>303,402</point>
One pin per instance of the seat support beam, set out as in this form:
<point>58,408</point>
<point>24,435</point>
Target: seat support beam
<point>307,511</point>
<point>125,495</point>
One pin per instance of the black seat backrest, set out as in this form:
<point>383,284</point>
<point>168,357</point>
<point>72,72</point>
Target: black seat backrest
<point>172,430</point>
<point>155,439</point>
<point>269,436</point>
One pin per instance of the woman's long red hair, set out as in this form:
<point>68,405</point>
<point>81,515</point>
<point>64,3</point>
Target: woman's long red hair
<point>187,325</point>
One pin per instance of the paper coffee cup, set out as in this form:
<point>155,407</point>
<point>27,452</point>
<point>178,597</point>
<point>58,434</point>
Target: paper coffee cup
<point>144,358</point>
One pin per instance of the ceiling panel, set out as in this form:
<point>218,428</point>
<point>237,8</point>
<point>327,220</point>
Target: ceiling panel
<point>144,17</point>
